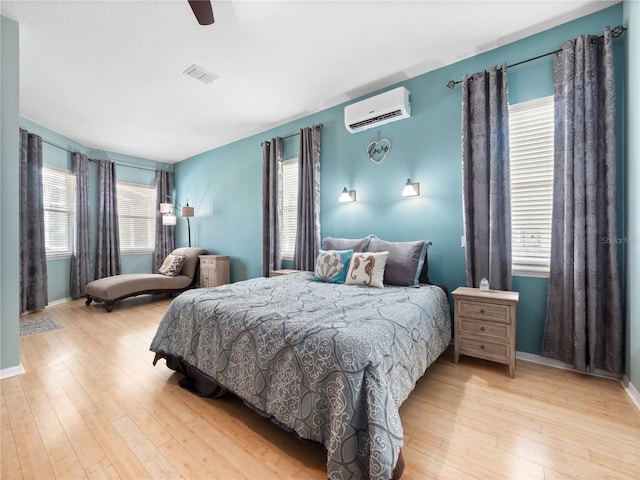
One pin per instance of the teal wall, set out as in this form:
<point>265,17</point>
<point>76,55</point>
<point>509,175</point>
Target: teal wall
<point>9,293</point>
<point>130,169</point>
<point>224,184</point>
<point>632,158</point>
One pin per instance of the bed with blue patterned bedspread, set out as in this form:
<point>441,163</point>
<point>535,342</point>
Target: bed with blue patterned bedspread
<point>330,362</point>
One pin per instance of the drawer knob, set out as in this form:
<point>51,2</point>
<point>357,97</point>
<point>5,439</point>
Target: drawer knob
<point>482,329</point>
<point>481,347</point>
<point>482,310</point>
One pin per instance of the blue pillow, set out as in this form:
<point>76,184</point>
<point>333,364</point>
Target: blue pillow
<point>332,266</point>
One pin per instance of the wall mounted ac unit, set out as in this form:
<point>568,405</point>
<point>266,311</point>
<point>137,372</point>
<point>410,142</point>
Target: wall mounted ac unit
<point>384,108</point>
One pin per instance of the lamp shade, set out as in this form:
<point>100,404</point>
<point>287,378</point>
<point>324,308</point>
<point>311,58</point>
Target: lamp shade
<point>187,211</point>
<point>166,208</point>
<point>168,219</point>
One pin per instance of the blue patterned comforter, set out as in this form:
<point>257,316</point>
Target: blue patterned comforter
<point>331,362</point>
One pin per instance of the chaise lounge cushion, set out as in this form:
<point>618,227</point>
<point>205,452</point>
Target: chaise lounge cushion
<point>118,287</point>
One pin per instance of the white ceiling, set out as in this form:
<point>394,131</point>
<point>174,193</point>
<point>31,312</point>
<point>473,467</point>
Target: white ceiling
<point>109,74</point>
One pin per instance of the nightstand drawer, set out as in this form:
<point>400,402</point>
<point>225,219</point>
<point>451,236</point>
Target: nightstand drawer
<point>486,311</point>
<point>476,347</point>
<point>208,261</point>
<point>478,327</point>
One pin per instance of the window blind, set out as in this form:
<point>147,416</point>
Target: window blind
<point>136,216</point>
<point>289,208</point>
<point>58,196</point>
<point>531,126</point>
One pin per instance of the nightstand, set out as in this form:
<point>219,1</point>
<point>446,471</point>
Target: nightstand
<point>284,271</point>
<point>214,270</point>
<point>485,325</point>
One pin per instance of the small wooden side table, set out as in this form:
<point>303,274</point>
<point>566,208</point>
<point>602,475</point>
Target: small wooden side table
<point>485,325</point>
<point>214,270</point>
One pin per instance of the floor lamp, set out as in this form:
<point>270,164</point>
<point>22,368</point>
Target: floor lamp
<point>187,212</point>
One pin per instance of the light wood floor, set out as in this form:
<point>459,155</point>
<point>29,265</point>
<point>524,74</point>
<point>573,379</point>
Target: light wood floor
<point>91,405</point>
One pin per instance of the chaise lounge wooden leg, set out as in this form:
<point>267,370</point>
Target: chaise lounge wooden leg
<point>88,300</point>
<point>109,305</point>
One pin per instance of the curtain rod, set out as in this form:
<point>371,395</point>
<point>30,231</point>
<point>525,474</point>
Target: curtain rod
<point>292,135</point>
<point>615,33</point>
<point>93,160</point>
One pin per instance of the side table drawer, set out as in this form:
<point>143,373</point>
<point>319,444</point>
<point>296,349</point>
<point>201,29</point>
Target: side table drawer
<point>498,352</point>
<point>487,311</point>
<point>208,261</point>
<point>479,328</point>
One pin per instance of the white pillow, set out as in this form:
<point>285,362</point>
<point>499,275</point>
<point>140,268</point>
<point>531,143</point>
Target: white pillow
<point>367,268</point>
<point>172,265</point>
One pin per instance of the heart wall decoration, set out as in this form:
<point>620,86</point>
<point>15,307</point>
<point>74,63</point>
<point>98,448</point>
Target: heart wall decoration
<point>378,150</point>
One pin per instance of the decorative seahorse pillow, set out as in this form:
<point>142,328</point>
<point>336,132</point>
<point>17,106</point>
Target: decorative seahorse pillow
<point>367,269</point>
<point>332,265</point>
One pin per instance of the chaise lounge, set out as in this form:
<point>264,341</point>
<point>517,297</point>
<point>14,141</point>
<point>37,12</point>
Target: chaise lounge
<point>179,274</point>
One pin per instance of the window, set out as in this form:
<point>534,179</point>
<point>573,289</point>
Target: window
<point>531,149</point>
<point>289,208</point>
<point>136,217</point>
<point>58,188</point>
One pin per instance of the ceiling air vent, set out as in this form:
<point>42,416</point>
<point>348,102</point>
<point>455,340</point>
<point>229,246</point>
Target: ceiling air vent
<point>200,73</point>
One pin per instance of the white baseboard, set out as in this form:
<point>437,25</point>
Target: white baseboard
<point>11,371</point>
<point>549,362</point>
<point>631,390</point>
<point>50,304</point>
<point>58,302</point>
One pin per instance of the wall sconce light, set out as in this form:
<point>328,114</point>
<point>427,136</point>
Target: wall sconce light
<point>347,195</point>
<point>411,189</point>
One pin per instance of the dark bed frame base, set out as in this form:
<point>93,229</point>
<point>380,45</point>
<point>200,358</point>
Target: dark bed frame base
<point>201,384</point>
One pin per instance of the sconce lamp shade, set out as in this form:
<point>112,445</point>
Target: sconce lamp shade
<point>411,189</point>
<point>347,195</point>
<point>168,219</point>
<point>187,211</point>
<point>166,208</point>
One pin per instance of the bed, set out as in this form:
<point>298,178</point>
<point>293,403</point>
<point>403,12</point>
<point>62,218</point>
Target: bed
<point>330,362</point>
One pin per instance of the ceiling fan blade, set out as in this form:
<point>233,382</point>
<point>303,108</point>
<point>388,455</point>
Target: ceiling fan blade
<point>202,10</point>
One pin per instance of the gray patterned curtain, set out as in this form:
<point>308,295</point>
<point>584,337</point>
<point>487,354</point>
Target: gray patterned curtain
<point>33,255</point>
<point>308,230</point>
<point>108,248</point>
<point>81,267</point>
<point>272,155</point>
<point>486,188</point>
<point>584,315</point>
<point>165,241</point>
